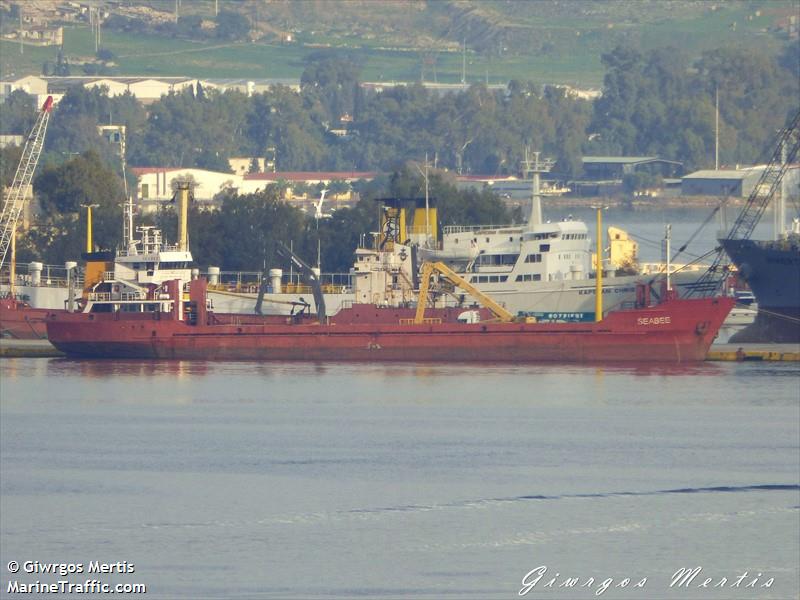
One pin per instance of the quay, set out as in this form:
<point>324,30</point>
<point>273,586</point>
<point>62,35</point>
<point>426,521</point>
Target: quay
<point>754,352</point>
<point>10,348</point>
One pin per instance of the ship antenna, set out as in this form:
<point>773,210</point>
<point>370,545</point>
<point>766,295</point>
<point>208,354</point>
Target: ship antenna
<point>127,217</point>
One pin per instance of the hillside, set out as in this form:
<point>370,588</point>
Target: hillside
<point>553,41</point>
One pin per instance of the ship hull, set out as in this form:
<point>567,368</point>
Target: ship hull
<point>772,270</point>
<point>21,322</point>
<point>677,331</point>
<point>566,300</point>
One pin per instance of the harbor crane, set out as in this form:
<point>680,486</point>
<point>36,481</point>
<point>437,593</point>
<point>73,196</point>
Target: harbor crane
<point>15,198</point>
<point>784,154</point>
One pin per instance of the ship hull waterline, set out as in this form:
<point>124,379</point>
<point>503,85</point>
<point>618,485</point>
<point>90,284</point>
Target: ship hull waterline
<point>676,332</point>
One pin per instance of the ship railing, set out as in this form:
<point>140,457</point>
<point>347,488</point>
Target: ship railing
<point>108,276</point>
<point>131,296</point>
<point>291,283</point>
<point>425,321</point>
<point>99,296</point>
<point>655,268</point>
<point>54,276</point>
<point>447,229</point>
<point>150,248</point>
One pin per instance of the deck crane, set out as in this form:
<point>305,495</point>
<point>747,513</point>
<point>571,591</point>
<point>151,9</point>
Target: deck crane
<point>428,269</point>
<point>308,274</point>
<point>788,141</point>
<point>15,198</point>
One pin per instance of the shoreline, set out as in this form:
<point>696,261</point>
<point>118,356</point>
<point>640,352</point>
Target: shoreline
<point>639,204</point>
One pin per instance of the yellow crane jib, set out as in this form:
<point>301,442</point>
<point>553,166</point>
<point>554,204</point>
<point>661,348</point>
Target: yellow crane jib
<point>429,269</point>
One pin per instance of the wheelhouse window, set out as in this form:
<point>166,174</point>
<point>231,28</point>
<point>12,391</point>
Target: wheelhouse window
<point>498,259</point>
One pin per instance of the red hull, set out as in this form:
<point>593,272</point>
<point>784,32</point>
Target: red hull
<point>21,322</point>
<point>675,331</point>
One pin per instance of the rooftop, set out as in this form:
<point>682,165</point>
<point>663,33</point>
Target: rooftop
<point>626,160</point>
<point>721,174</point>
<point>311,175</point>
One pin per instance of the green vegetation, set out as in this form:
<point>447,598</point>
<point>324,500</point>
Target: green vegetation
<point>61,190</point>
<point>242,234</point>
<point>657,100</point>
<point>539,41</point>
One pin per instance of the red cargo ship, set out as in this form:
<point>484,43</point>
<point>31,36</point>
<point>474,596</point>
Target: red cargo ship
<point>676,330</point>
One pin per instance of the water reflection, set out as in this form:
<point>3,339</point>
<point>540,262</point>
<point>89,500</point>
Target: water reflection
<point>58,367</point>
<point>129,368</point>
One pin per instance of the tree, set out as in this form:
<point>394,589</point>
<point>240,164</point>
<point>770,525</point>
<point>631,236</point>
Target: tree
<point>190,26</point>
<point>19,113</point>
<point>9,160</point>
<point>333,83</point>
<point>59,230</point>
<point>250,225</point>
<point>185,131</point>
<point>105,54</point>
<point>232,25</point>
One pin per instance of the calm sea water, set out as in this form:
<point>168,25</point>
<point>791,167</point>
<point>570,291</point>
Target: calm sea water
<point>247,480</point>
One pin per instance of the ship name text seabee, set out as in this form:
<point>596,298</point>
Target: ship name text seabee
<point>653,320</point>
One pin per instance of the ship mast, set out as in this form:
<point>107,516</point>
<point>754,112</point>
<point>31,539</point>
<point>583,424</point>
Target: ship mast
<point>535,167</point>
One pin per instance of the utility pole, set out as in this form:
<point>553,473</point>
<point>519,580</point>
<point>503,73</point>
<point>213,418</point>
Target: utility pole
<point>464,64</point>
<point>216,7</point>
<point>96,28</point>
<point>20,29</point>
<point>716,130</point>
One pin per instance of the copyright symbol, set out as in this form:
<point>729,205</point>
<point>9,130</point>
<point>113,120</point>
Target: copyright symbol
<point>13,566</point>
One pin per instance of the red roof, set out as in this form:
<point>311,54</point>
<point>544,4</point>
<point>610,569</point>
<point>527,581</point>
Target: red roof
<point>312,175</point>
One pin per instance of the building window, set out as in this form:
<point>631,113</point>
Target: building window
<point>145,191</point>
<point>544,247</point>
